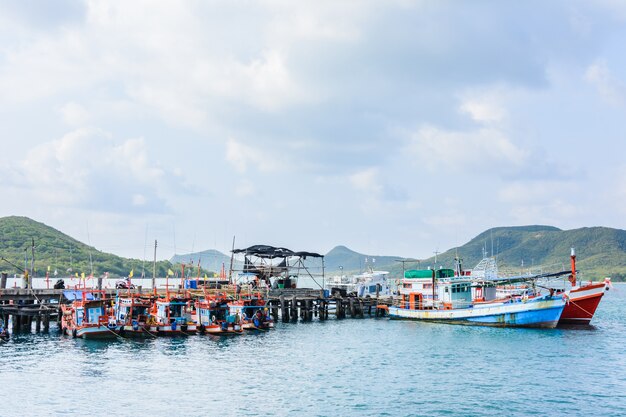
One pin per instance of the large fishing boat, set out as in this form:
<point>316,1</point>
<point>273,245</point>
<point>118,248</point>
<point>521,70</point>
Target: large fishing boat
<point>88,315</point>
<point>458,299</point>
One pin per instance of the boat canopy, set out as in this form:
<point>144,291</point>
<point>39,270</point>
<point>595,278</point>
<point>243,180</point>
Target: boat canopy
<point>77,295</point>
<point>428,273</point>
<point>271,252</point>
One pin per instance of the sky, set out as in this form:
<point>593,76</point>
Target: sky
<point>393,127</point>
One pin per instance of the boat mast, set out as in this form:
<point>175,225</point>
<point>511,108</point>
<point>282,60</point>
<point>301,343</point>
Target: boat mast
<point>232,254</point>
<point>154,268</point>
<point>573,277</point>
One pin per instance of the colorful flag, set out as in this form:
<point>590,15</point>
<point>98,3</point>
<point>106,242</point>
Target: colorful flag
<point>82,275</point>
<point>131,273</point>
<point>170,272</point>
<point>76,275</point>
<point>48,268</point>
<point>205,277</point>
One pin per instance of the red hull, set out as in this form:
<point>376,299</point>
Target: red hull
<point>582,304</point>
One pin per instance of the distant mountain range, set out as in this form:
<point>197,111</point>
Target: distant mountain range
<point>211,259</point>
<point>601,252</point>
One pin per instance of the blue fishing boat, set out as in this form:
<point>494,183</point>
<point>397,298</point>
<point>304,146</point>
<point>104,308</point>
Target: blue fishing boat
<point>452,298</point>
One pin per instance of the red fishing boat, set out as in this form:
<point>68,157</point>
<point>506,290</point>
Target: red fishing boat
<point>583,298</point>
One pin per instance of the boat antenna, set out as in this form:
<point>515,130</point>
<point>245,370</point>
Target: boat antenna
<point>232,254</point>
<point>145,247</point>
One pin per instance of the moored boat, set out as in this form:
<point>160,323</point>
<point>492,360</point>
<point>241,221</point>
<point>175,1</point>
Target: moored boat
<point>88,315</point>
<point>450,299</point>
<point>253,313</point>
<point>172,317</point>
<point>583,298</point>
<point>213,317</point>
<point>132,314</point>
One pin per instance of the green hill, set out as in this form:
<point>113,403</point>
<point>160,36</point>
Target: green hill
<point>600,251</point>
<point>61,252</point>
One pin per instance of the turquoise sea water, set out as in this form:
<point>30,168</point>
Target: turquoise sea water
<point>352,367</point>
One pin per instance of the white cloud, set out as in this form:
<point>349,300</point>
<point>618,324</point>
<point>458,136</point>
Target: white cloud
<point>546,202</point>
<point>245,189</point>
<point>87,168</point>
<point>484,106</point>
<point>242,157</point>
<point>482,151</point>
<point>610,87</point>
<point>74,114</point>
<point>366,180</point>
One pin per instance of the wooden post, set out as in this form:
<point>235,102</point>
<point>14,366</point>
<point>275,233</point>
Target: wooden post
<point>294,309</point>
<point>38,323</point>
<point>16,323</point>
<point>46,322</point>
<point>361,308</point>
<point>284,310</point>
<point>3,281</point>
<point>352,308</point>
<point>339,307</point>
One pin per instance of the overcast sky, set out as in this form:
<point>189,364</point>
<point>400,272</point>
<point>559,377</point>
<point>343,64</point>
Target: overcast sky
<point>392,127</point>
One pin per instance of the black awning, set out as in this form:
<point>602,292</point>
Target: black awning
<point>266,251</point>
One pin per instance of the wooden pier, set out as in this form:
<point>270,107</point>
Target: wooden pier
<point>302,303</point>
<point>289,305</point>
<point>28,305</point>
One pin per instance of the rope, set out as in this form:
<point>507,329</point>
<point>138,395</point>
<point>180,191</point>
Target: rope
<point>118,335</point>
<point>149,332</point>
<point>573,302</point>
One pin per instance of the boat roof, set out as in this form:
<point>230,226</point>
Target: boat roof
<point>266,251</point>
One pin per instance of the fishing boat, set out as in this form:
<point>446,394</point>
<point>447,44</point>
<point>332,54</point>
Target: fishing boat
<point>88,316</point>
<point>172,316</point>
<point>132,315</point>
<point>213,316</point>
<point>447,297</point>
<point>583,298</point>
<point>252,311</point>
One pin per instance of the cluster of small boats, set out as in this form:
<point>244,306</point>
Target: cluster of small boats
<point>481,297</point>
<point>91,314</point>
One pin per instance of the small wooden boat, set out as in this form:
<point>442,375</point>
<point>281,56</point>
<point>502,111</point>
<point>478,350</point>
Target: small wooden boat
<point>252,311</point>
<point>213,317</point>
<point>172,316</point>
<point>132,313</point>
<point>88,315</point>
